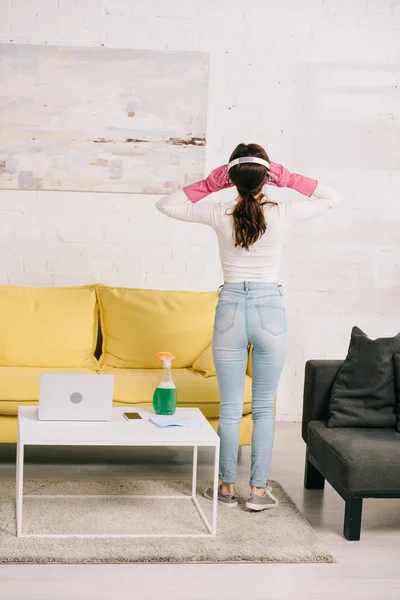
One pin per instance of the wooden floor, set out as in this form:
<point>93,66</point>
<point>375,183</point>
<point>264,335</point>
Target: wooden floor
<point>366,570</point>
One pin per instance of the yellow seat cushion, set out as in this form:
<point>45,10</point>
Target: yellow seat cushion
<point>136,386</point>
<point>245,431</point>
<point>48,327</point>
<point>250,363</point>
<point>8,430</point>
<point>205,363</point>
<point>136,324</point>
<point>19,385</point>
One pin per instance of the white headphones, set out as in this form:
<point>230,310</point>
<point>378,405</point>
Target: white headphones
<point>248,159</point>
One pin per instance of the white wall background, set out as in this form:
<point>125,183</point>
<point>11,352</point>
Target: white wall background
<point>317,83</point>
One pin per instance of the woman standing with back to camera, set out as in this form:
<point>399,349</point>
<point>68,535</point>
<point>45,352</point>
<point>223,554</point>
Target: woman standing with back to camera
<point>251,230</point>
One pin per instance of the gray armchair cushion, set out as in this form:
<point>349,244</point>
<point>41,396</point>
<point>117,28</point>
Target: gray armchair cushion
<point>396,359</point>
<point>358,460</point>
<point>363,394</point>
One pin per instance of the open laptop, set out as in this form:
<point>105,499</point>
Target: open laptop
<point>75,397</point>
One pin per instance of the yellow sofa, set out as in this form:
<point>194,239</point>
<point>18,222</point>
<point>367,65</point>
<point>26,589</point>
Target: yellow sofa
<point>100,329</point>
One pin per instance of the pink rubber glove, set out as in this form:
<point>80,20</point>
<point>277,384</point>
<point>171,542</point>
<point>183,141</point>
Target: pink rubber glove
<point>282,177</point>
<point>216,181</point>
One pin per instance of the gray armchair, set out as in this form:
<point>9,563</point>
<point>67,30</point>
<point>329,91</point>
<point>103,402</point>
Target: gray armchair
<point>358,462</point>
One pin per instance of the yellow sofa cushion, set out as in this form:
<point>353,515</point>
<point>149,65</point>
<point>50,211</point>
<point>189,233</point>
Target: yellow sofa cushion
<point>136,386</point>
<point>245,431</point>
<point>205,363</point>
<point>21,384</point>
<point>48,327</point>
<point>8,430</point>
<point>250,362</point>
<point>136,324</point>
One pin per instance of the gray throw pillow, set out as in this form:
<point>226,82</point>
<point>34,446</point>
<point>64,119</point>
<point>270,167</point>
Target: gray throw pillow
<point>363,394</point>
<point>396,359</point>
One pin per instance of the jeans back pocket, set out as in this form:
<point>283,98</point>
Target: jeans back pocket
<point>225,316</point>
<point>272,318</point>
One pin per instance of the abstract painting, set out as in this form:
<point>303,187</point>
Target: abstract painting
<point>101,119</point>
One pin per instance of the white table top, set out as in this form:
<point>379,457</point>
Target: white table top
<point>118,432</point>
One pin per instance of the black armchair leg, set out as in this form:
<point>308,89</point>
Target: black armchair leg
<point>352,518</point>
<point>313,480</point>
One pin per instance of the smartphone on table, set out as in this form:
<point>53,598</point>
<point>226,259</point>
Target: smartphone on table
<point>132,416</point>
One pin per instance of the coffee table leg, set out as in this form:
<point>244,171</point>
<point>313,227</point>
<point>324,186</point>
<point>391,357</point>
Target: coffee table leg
<point>19,486</point>
<point>215,491</point>
<point>194,474</point>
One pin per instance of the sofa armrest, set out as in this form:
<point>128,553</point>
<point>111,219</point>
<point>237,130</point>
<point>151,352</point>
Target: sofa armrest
<point>319,379</point>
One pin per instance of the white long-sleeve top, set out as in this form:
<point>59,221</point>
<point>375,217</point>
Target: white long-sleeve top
<point>261,262</point>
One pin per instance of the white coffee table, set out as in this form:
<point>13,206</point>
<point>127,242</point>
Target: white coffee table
<point>118,432</point>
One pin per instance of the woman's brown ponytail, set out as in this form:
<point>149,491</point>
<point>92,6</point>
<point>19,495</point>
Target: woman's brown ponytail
<point>249,222</point>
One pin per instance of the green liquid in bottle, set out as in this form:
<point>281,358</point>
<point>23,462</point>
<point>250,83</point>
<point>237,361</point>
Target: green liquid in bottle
<point>164,401</point>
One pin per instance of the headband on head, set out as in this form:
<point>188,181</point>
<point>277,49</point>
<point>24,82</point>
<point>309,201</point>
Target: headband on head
<point>248,159</point>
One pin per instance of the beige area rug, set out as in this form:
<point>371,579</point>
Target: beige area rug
<point>279,535</point>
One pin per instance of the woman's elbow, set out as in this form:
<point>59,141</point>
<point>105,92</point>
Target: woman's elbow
<point>161,206</point>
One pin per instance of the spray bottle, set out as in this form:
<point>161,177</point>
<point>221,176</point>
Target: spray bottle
<point>164,398</point>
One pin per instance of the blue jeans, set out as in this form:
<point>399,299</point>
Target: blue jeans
<point>248,314</point>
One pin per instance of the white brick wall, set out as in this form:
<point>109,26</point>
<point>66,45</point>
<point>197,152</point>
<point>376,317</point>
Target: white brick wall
<point>317,82</point>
